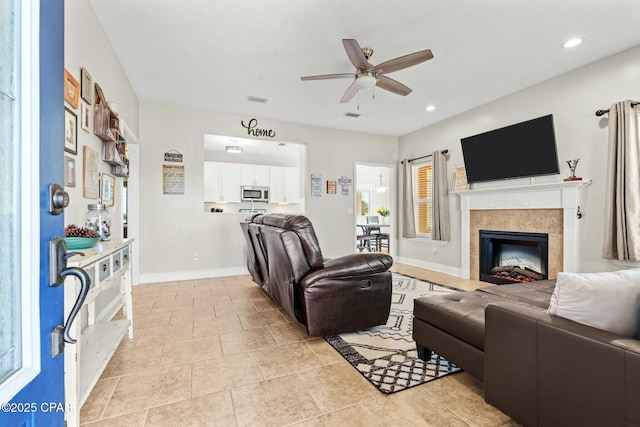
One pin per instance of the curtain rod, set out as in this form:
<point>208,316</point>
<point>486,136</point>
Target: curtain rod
<point>428,155</point>
<point>603,112</point>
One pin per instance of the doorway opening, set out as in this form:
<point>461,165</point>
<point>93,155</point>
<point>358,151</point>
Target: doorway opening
<point>374,208</point>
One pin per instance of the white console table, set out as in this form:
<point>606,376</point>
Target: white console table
<point>95,330</point>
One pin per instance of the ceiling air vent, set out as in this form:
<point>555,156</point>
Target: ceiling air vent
<point>257,99</point>
<point>354,115</point>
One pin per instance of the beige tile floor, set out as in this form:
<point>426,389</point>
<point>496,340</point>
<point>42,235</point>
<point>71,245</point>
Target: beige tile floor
<point>217,352</point>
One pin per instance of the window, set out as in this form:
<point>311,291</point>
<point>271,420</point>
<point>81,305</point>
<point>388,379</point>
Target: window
<point>19,198</point>
<point>422,177</point>
<point>363,205</point>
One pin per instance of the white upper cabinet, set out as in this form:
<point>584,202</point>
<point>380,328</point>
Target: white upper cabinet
<point>255,175</point>
<point>284,184</point>
<point>222,182</point>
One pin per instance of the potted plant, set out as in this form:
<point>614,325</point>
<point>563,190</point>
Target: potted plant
<point>384,213</point>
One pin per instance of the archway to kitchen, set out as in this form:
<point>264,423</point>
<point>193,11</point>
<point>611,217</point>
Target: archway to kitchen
<point>243,175</point>
<point>375,198</point>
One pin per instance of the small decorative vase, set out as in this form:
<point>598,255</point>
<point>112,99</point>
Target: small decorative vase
<point>385,220</point>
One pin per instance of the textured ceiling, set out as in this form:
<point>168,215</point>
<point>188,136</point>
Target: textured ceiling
<point>213,54</point>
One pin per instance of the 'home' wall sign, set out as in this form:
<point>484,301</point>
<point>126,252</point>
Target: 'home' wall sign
<point>253,129</point>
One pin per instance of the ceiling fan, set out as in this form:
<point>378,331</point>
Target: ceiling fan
<point>367,75</point>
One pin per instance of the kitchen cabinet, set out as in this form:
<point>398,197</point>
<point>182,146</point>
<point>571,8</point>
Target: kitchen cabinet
<point>222,182</point>
<point>100,326</point>
<point>284,182</point>
<point>255,175</point>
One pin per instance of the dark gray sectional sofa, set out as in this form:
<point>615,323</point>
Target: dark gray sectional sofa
<point>541,370</point>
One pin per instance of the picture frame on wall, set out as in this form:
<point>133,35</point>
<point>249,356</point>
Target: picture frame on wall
<point>459,179</point>
<point>331,187</point>
<point>107,189</point>
<point>85,114</point>
<point>86,91</point>
<point>69,171</point>
<point>71,89</point>
<point>70,131</point>
<point>90,175</point>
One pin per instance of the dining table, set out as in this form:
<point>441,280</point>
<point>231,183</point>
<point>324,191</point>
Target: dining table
<point>366,237</point>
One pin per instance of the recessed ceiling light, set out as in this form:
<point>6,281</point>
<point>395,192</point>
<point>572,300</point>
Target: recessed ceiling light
<point>430,107</point>
<point>572,42</point>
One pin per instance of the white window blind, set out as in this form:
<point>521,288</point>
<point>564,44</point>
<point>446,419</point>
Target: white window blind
<point>422,177</point>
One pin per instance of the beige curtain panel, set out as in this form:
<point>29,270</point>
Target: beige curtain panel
<point>622,198</point>
<point>441,229</point>
<point>408,220</point>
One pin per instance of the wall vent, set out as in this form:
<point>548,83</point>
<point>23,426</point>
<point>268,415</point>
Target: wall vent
<point>354,115</point>
<point>257,99</point>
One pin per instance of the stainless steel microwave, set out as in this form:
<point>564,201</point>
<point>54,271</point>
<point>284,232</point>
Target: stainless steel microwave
<point>257,194</point>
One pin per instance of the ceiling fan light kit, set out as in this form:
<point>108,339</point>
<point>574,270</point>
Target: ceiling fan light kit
<point>367,75</point>
<point>365,81</point>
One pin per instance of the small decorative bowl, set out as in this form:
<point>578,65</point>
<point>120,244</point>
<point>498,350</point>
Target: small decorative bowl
<point>81,242</point>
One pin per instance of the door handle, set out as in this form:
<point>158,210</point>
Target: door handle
<point>58,270</point>
<point>85,281</point>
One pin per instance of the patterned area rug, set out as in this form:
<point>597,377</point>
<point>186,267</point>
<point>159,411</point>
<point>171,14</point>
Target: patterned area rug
<point>386,355</point>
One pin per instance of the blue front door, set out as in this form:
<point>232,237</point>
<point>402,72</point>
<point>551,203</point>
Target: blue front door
<point>34,379</point>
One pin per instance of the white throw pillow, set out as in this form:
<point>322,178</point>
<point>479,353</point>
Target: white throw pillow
<point>608,301</point>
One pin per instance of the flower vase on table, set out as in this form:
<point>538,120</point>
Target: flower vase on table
<point>384,213</point>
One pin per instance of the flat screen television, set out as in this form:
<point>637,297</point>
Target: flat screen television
<point>520,150</point>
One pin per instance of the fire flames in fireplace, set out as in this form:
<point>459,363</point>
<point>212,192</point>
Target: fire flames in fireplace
<point>515,273</point>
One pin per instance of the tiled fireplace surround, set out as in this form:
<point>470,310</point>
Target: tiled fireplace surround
<point>540,208</point>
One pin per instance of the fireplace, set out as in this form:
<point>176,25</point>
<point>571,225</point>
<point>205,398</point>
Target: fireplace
<point>509,257</point>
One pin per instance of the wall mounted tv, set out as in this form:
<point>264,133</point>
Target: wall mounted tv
<point>520,150</point>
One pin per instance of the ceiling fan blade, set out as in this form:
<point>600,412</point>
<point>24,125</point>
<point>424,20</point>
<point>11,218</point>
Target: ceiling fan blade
<point>328,76</point>
<point>403,62</point>
<point>350,93</point>
<point>354,52</point>
<point>391,85</point>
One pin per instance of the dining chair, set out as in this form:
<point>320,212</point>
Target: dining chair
<point>382,239</point>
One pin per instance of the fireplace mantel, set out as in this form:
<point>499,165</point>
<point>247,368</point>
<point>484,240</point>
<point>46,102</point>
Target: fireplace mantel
<point>557,195</point>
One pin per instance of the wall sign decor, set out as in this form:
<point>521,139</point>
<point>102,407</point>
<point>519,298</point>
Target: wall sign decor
<point>69,171</point>
<point>173,179</point>
<point>331,187</point>
<point>70,131</point>
<point>90,175</point>
<point>71,89</point>
<point>345,183</point>
<point>86,90</point>
<point>253,129</point>
<point>107,189</point>
<point>173,156</point>
<point>316,185</point>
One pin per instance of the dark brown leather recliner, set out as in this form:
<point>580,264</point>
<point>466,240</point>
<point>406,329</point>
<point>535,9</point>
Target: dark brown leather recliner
<point>326,297</point>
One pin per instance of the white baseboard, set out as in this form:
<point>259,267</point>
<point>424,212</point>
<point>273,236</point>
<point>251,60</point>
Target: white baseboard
<point>440,268</point>
<point>177,276</point>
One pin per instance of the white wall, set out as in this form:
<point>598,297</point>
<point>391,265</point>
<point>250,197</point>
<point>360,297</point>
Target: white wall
<point>86,45</point>
<point>573,99</point>
<point>178,240</point>
<point>173,229</point>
